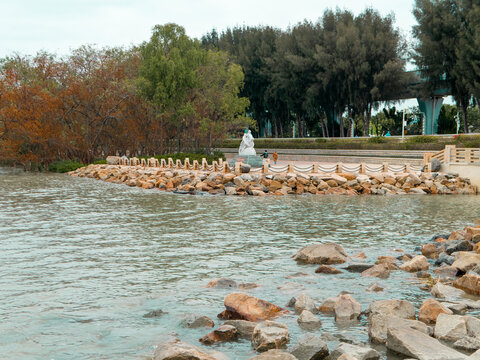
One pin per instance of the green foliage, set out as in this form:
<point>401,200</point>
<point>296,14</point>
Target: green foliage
<point>99,162</point>
<point>64,166</point>
<point>192,156</point>
<point>377,140</point>
<point>425,139</point>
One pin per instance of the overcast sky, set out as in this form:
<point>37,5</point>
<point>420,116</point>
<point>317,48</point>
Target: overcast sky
<point>27,26</point>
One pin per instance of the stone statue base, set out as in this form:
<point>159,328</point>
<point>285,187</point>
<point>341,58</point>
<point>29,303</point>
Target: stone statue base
<point>254,161</point>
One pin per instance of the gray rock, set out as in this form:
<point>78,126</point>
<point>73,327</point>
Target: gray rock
<point>380,323</point>
<point>436,165</point>
<point>374,288</point>
<point>442,291</point>
<point>400,308</point>
<point>193,321</point>
<point>305,302</point>
<point>347,308</point>
<point>444,258</point>
<point>154,314</point>
<point>291,302</point>
<point>270,335</point>
<point>460,245</point>
<point>329,253</point>
<point>450,327</point>
<point>310,347</point>
<point>475,355</point>
<point>244,328</point>
<point>358,352</point>
<point>274,354</point>
<point>308,321</point>
<point>245,168</point>
<point>468,343</point>
<point>176,350</point>
<point>358,268</point>
<point>420,346</point>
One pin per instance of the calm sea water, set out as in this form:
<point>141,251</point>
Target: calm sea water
<point>81,261</point>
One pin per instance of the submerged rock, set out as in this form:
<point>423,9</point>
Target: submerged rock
<point>327,269</point>
<point>244,328</point>
<point>196,321</point>
<point>329,253</point>
<point>274,354</point>
<point>240,306</point>
<point>308,321</point>
<point>154,314</point>
<point>222,283</point>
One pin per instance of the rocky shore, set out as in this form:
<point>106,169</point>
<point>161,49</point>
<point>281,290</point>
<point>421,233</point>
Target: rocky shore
<point>258,184</point>
<point>444,327</point>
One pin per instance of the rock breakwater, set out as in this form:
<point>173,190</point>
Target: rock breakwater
<point>259,184</point>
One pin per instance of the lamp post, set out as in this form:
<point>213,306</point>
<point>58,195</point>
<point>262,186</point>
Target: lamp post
<point>403,125</point>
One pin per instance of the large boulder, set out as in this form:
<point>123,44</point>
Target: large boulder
<point>347,308</point>
<point>244,328</point>
<point>400,308</point>
<point>470,283</point>
<point>450,327</point>
<point>357,352</point>
<point>417,345</point>
<point>240,306</point>
<point>305,302</point>
<point>274,354</point>
<point>270,335</point>
<point>430,310</point>
<point>418,263</point>
<point>380,323</point>
<point>465,261</point>
<point>329,253</point>
<point>177,350</point>
<point>310,347</point>
<point>222,334</point>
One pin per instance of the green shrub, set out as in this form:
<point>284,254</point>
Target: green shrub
<point>377,140</point>
<point>64,166</point>
<point>99,162</point>
<point>425,139</point>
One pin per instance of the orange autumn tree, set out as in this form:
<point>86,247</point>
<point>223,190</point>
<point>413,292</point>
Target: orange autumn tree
<point>29,111</point>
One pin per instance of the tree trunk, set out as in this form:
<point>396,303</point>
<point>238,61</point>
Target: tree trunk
<point>464,107</point>
<point>341,132</point>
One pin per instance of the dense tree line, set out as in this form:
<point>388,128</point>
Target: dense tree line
<point>447,48</point>
<point>175,93</point>
<point>313,73</point>
<point>166,95</point>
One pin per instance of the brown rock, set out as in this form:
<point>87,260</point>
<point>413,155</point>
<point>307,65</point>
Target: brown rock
<point>430,251</point>
<point>222,334</point>
<point>430,310</point>
<point>465,260</point>
<point>222,283</point>
<point>328,305</point>
<point>331,183</point>
<point>418,263</point>
<point>470,283</point>
<point>380,271</point>
<point>240,306</point>
<point>360,255</point>
<point>329,253</point>
<point>270,335</point>
<point>327,269</point>
<point>400,308</point>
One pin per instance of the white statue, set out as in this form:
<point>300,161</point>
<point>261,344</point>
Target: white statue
<point>246,146</point>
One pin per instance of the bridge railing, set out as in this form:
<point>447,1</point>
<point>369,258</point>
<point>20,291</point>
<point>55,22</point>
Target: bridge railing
<point>453,155</point>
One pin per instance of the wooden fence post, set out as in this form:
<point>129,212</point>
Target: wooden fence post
<point>407,168</point>
<point>449,154</point>
<point>291,168</point>
<point>315,168</point>
<point>265,168</point>
<point>339,168</point>
<point>385,167</point>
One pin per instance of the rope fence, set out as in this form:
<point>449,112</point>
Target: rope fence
<point>315,168</point>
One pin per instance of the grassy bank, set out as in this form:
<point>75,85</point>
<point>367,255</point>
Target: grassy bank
<point>426,143</point>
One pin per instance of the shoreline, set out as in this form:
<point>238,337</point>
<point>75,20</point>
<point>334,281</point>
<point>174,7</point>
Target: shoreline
<point>197,182</point>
